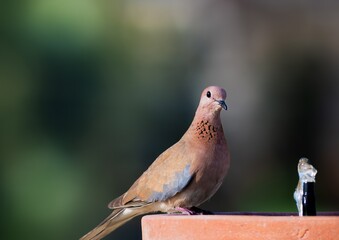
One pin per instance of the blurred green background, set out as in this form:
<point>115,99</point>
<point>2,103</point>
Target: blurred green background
<point>92,91</point>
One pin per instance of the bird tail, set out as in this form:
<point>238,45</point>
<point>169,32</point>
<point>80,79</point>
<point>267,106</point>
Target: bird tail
<point>117,218</point>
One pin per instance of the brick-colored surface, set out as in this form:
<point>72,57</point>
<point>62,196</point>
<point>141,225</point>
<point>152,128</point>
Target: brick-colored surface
<point>239,227</point>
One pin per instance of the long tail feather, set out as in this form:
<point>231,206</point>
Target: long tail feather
<point>117,218</point>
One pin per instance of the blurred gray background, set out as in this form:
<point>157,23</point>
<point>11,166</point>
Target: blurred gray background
<point>93,91</point>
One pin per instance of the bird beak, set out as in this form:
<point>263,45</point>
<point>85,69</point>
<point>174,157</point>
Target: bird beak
<point>222,104</point>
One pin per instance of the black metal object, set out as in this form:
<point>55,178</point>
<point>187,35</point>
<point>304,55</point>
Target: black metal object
<point>308,199</point>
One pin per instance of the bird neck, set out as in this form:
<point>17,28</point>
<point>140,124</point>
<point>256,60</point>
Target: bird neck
<point>207,128</point>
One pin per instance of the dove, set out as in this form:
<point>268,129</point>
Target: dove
<point>183,176</point>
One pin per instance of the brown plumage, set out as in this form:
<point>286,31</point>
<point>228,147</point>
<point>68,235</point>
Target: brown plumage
<point>182,177</point>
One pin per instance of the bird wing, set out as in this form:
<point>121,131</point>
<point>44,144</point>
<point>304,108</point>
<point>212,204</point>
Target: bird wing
<point>168,175</point>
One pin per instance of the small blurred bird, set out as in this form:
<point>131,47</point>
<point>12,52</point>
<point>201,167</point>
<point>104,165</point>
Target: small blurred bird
<point>181,178</point>
<point>306,174</point>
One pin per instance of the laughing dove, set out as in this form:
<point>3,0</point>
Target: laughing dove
<point>182,177</point>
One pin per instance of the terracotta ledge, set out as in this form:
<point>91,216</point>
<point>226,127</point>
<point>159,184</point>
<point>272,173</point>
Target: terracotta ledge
<point>254,226</point>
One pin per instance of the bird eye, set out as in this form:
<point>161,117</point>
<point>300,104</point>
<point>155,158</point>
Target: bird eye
<point>208,94</point>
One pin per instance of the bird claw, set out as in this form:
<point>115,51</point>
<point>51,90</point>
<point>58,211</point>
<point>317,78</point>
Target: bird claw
<point>193,211</point>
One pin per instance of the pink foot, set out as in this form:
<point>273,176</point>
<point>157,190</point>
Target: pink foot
<point>185,211</point>
<point>192,211</point>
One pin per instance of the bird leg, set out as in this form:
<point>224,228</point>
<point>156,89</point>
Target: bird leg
<point>193,211</point>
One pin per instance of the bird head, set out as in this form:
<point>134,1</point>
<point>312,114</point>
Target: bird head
<point>306,171</point>
<point>213,99</point>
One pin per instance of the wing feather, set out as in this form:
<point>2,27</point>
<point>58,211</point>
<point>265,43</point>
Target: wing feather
<point>168,175</point>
